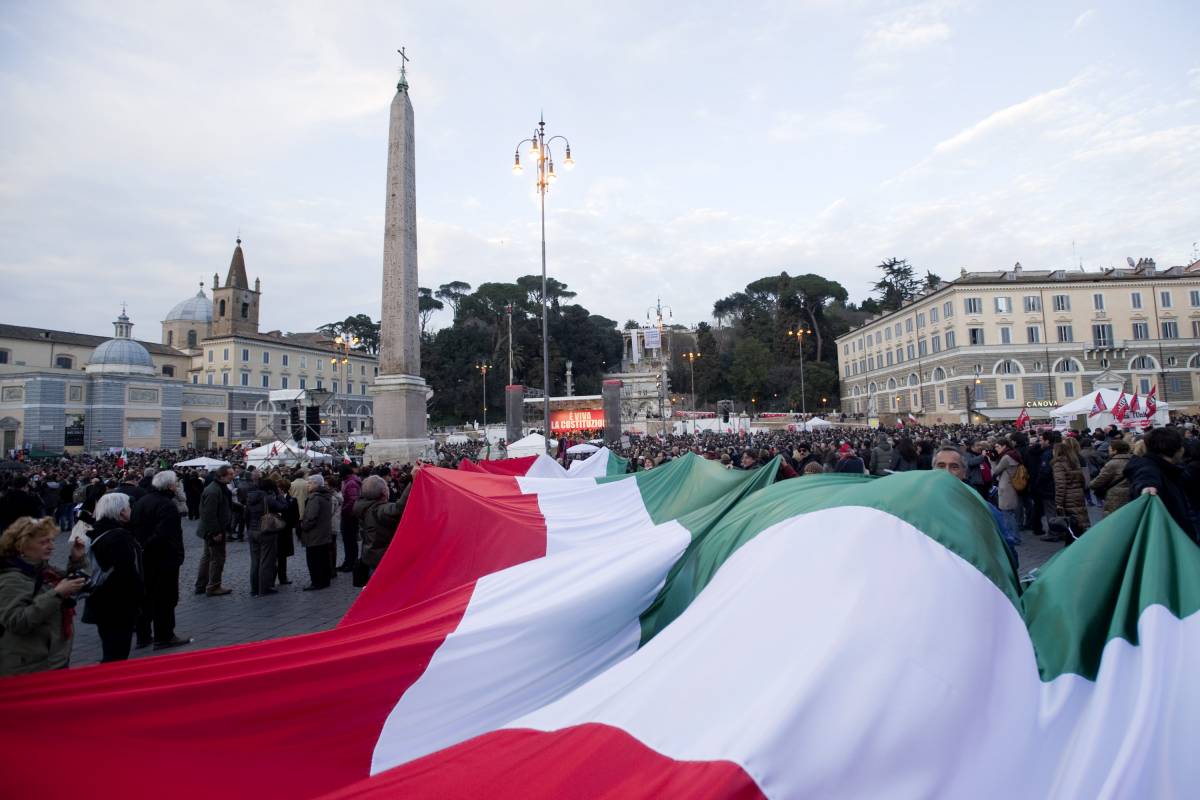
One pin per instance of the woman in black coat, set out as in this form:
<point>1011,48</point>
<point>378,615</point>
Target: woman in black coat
<point>286,546</point>
<point>115,602</point>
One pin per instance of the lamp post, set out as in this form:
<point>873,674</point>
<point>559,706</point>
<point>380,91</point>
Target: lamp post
<point>972,389</point>
<point>483,368</point>
<point>691,359</point>
<point>539,150</point>
<point>800,332</point>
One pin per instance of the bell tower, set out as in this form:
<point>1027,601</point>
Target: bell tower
<point>235,304</point>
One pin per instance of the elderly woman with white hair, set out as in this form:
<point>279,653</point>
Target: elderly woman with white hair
<point>116,600</point>
<point>316,533</point>
<point>156,525</point>
<point>377,520</point>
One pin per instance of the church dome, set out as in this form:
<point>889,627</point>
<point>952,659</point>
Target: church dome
<point>121,354</point>
<point>197,308</point>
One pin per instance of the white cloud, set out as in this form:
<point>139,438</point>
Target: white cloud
<point>1027,112</point>
<point>912,28</point>
<point>1084,19</point>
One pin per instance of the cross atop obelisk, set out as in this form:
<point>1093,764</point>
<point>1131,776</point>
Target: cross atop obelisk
<point>403,84</point>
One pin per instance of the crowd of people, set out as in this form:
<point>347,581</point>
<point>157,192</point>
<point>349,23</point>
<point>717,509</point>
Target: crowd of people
<point>127,548</point>
<point>125,514</point>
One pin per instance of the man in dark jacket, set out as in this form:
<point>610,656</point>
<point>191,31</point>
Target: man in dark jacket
<point>192,488</point>
<point>216,521</point>
<point>19,502</point>
<point>156,526</point>
<point>113,606</point>
<point>1158,473</point>
<point>129,486</point>
<point>848,461</point>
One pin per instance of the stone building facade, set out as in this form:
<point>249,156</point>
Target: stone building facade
<point>1018,339</point>
<point>207,384</point>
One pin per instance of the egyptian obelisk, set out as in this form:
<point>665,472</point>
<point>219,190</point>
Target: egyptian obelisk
<point>400,392</point>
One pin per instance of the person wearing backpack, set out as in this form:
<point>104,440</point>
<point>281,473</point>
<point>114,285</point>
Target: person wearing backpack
<point>116,599</point>
<point>37,603</point>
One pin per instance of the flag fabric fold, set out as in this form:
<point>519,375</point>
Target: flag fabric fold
<point>689,631</point>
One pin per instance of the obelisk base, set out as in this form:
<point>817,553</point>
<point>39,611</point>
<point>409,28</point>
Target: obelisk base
<point>401,436</point>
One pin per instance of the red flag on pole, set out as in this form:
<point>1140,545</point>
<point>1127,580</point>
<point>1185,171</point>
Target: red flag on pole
<point>1134,407</point>
<point>1022,419</point>
<point>1151,403</point>
<point>1099,406</point>
<point>1120,408</point>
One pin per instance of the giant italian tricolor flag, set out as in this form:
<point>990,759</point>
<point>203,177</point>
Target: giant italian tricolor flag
<point>684,632</point>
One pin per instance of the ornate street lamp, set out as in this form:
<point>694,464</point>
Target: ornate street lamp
<point>540,152</point>
<point>800,332</point>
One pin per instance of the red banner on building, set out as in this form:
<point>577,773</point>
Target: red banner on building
<point>577,419</point>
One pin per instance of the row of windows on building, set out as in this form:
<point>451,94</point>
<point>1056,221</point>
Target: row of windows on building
<point>284,382</point>
<point>1007,390</point>
<point>973,306</point>
<point>285,361</point>
<point>1102,336</point>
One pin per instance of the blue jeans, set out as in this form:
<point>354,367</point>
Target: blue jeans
<point>1009,529</point>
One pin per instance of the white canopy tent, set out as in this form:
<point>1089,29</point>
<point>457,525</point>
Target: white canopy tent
<point>817,424</point>
<point>1083,405</point>
<point>583,448</point>
<point>203,462</point>
<point>284,453</point>
<point>531,445</point>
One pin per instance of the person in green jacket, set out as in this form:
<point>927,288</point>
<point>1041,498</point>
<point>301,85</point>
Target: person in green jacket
<point>37,603</point>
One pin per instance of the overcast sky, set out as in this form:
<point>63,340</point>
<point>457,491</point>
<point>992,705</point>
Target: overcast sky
<point>716,143</point>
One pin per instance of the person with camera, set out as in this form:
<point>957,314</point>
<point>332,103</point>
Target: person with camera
<point>115,601</point>
<point>377,521</point>
<point>37,603</point>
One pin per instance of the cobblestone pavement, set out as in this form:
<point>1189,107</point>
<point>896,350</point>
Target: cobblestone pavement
<point>235,618</point>
<point>238,618</point>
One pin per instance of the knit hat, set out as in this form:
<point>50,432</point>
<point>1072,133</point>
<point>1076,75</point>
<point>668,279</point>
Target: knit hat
<point>844,450</point>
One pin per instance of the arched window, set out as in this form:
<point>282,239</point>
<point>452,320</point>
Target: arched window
<point>170,338</point>
<point>913,380</point>
<point>939,374</point>
<point>221,309</point>
<point>191,339</point>
<point>1067,365</point>
<point>854,391</point>
<point>64,362</point>
<point>1193,362</point>
<point>891,384</point>
<point>871,388</point>
<point>1007,367</point>
<point>1143,363</point>
<point>245,310</point>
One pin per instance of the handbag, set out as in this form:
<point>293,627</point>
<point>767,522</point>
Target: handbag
<point>271,522</point>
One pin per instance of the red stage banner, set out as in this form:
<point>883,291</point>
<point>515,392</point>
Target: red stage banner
<point>576,419</point>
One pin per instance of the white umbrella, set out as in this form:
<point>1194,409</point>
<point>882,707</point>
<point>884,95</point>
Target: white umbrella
<point>582,447</point>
